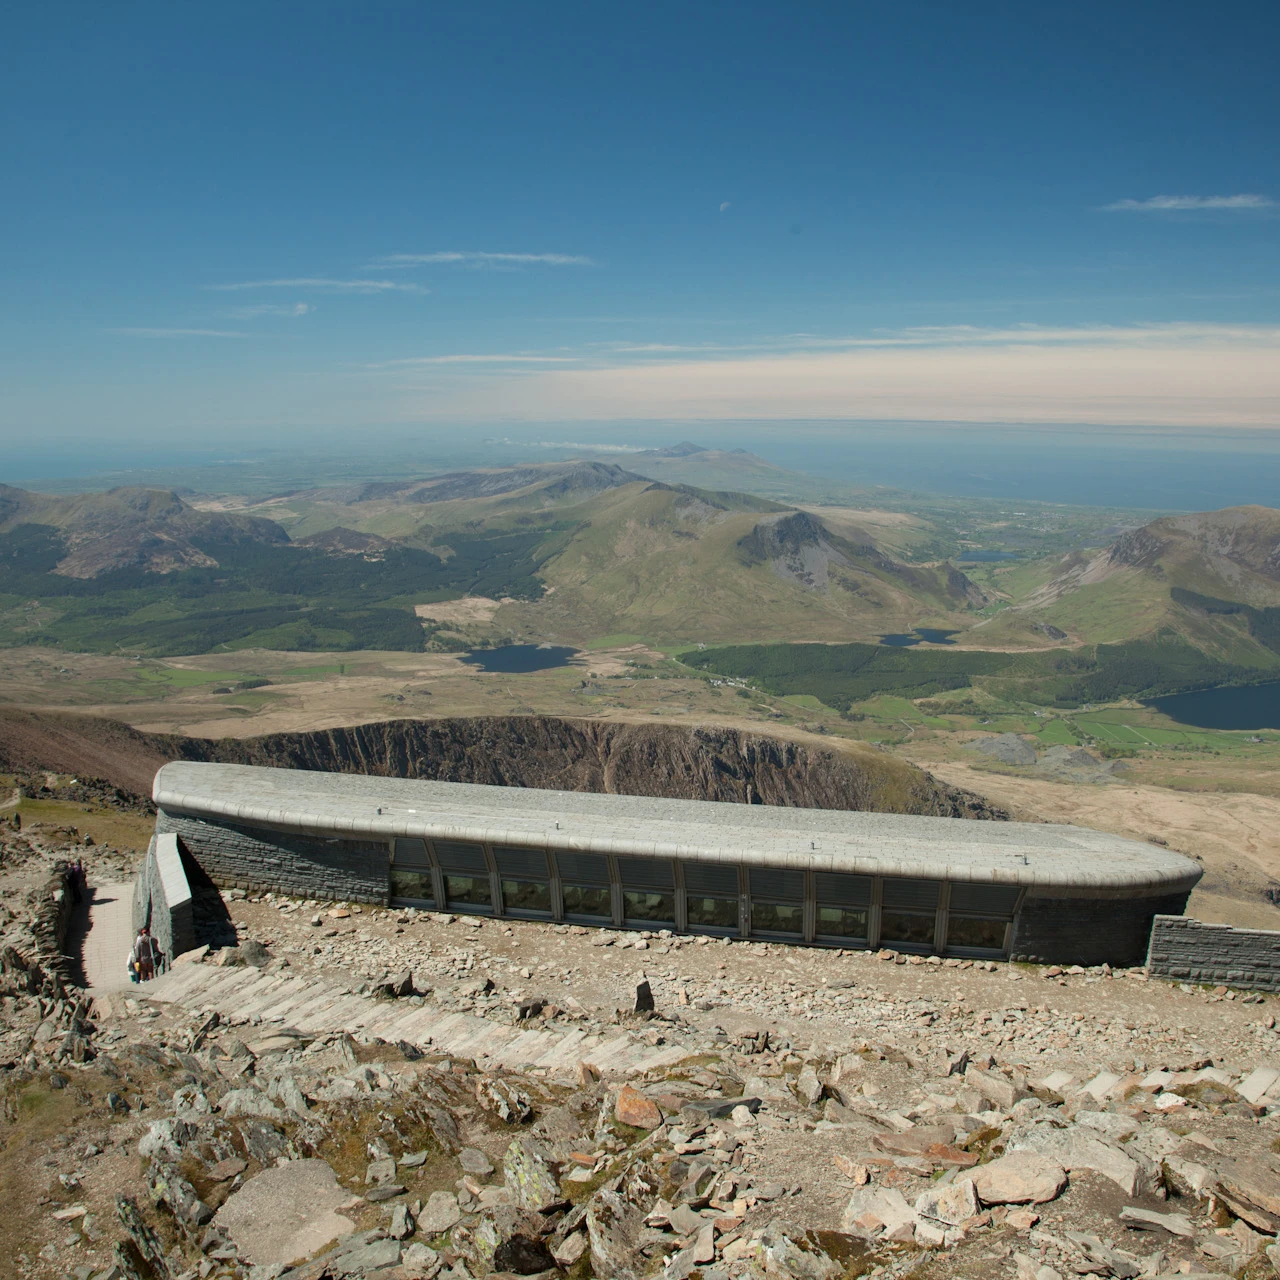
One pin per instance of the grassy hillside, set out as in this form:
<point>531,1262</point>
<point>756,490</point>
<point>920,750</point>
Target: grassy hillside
<point>681,565</point>
<point>843,675</point>
<point>1141,586</point>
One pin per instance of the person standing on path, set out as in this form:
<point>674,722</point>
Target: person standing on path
<point>144,955</point>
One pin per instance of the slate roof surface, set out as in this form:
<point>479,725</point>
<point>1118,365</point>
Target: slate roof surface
<point>1041,855</point>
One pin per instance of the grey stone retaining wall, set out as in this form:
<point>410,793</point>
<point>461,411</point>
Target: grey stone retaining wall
<point>283,861</point>
<point>1193,951</point>
<point>162,898</point>
<point>1088,931</point>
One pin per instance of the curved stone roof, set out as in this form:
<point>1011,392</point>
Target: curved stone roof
<point>1058,859</point>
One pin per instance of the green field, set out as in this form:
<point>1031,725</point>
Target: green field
<point>257,595</point>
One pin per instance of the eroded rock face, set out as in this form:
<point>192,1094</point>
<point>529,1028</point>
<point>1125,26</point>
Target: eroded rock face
<point>675,761</point>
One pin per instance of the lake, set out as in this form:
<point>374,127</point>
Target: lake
<point>1242,707</point>
<point>921,635</point>
<point>518,659</point>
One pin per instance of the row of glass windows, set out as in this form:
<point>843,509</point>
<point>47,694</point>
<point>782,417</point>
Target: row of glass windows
<point>701,897</point>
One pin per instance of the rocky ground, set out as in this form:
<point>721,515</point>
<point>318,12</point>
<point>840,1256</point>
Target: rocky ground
<point>831,1114</point>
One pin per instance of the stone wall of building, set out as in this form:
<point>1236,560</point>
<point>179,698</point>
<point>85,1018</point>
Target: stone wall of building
<point>1193,951</point>
<point>283,861</point>
<point>1089,931</point>
<point>162,898</point>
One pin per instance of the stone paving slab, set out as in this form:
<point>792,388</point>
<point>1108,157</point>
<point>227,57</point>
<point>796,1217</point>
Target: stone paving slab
<point>109,939</point>
<point>323,1006</point>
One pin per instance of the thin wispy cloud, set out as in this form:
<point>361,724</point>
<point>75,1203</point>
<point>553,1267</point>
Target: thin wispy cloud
<point>1165,374</point>
<point>725,205</point>
<point>499,358</point>
<point>1244,203</point>
<point>292,310</point>
<point>475,258</point>
<point>323,284</point>
<point>178,333</point>
<point>959,335</point>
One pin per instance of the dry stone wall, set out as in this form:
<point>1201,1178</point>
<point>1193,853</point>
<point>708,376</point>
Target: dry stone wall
<point>284,861</point>
<point>1193,951</point>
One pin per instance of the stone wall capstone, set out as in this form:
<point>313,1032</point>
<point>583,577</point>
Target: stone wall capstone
<point>1192,951</point>
<point>162,898</point>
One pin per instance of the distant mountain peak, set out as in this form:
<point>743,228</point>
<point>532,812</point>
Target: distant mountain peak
<point>681,450</point>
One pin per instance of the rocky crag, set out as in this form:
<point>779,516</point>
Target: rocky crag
<point>683,762</point>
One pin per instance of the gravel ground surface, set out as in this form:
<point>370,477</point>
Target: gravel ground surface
<point>822,1114</point>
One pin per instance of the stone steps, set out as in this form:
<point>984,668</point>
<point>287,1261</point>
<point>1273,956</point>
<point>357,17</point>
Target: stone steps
<point>320,1006</point>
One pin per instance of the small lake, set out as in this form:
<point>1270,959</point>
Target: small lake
<point>921,635</point>
<point>985,557</point>
<point>1254,706</point>
<point>518,659</point>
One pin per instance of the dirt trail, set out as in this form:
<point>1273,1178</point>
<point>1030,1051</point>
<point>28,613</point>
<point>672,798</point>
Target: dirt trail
<point>1236,835</point>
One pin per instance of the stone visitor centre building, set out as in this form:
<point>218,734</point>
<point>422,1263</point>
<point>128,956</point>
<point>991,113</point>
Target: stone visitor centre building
<point>947,886</point>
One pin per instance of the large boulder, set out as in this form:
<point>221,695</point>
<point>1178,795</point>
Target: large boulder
<point>613,1227</point>
<point>530,1174</point>
<point>1082,1148</point>
<point>1021,1177</point>
<point>879,1211</point>
<point>286,1213</point>
<point>634,1109</point>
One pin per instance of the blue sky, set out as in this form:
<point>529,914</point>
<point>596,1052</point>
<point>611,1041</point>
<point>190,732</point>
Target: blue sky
<point>245,221</point>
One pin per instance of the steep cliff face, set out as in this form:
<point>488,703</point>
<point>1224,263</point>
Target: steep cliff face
<point>700,763</point>
<point>678,761</point>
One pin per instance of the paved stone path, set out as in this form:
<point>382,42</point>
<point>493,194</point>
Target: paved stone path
<point>318,1006</point>
<point>107,937</point>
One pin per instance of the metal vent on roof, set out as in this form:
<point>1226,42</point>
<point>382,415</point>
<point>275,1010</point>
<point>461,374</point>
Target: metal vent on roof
<point>645,873</point>
<point>410,853</point>
<point>583,868</point>
<point>704,877</point>
<point>454,855</point>
<point>984,899</point>
<point>528,864</point>
<point>835,890</point>
<point>770,885</point>
<point>918,895</point>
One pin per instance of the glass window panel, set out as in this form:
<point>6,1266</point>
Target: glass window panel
<point>588,900</point>
<point>583,868</point>
<point>646,873</point>
<point>708,877</point>
<point>841,890</point>
<point>410,853</point>
<point>526,895</point>
<point>911,894</point>
<point>470,891</point>
<point>453,855</point>
<point>777,917</point>
<point>638,904</point>
<point>779,886</point>
<point>527,864</point>
<point>903,926</point>
<point>414,884</point>
<point>717,913</point>
<point>984,899</point>
<point>969,931</point>
<point>842,922</point>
